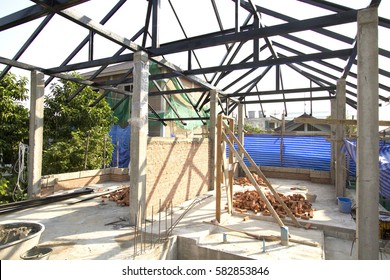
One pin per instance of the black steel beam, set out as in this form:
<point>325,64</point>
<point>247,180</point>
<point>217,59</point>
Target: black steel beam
<point>34,12</point>
<point>147,22</point>
<point>30,67</point>
<point>98,28</point>
<point>156,4</point>
<point>322,31</point>
<point>280,91</point>
<point>182,119</point>
<point>177,91</point>
<point>27,43</point>
<point>86,39</point>
<point>277,61</point>
<point>318,98</point>
<point>218,17</point>
<point>168,102</point>
<point>94,63</point>
<point>185,35</point>
<point>216,39</point>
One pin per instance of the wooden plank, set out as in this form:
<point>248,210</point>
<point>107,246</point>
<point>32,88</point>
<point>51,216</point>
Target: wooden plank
<point>333,121</point>
<point>268,184</point>
<point>219,170</point>
<point>231,170</point>
<point>253,181</point>
<point>227,180</point>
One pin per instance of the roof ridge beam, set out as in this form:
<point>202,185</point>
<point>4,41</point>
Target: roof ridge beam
<point>290,27</point>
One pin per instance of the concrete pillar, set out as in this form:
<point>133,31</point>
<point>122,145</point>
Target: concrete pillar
<point>213,138</point>
<point>241,135</point>
<point>35,134</point>
<point>139,137</point>
<point>333,112</point>
<point>340,171</point>
<point>367,136</point>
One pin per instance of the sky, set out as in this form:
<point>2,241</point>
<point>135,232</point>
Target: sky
<point>60,37</point>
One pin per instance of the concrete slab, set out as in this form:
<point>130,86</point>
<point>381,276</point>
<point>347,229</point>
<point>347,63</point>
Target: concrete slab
<point>100,230</point>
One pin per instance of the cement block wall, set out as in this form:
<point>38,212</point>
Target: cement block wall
<point>177,170</point>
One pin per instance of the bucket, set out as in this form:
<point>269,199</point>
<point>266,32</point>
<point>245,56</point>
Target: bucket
<point>345,204</point>
<point>37,253</point>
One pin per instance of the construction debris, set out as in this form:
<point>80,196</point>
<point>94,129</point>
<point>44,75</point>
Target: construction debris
<point>121,197</point>
<point>251,200</point>
<point>244,181</point>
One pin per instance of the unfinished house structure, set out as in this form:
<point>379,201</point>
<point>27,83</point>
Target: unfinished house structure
<point>215,58</point>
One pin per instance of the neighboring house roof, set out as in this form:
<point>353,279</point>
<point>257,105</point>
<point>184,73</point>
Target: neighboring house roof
<point>275,118</point>
<point>291,126</point>
<point>116,69</point>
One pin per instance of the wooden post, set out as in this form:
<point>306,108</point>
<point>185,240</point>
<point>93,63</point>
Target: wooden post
<point>218,170</point>
<point>258,171</point>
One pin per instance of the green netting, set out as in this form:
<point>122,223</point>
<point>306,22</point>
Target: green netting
<point>182,104</point>
<point>121,111</point>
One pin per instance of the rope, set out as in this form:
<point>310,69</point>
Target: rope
<point>21,170</point>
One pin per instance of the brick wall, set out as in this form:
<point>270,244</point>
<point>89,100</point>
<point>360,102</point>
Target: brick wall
<point>177,170</point>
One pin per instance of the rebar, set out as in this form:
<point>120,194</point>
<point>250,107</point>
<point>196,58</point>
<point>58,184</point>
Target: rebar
<point>151,230</point>
<point>193,203</point>
<point>159,220</point>
<point>135,236</point>
<point>171,213</point>
<point>166,221</point>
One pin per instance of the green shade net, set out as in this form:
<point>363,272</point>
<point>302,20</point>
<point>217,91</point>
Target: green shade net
<point>182,104</point>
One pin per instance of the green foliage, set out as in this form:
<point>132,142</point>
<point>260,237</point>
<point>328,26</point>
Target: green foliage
<point>14,116</point>
<point>10,192</point>
<point>3,190</point>
<point>74,132</point>
<point>252,130</point>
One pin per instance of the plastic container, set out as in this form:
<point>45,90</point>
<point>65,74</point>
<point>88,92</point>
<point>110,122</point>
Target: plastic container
<point>37,253</point>
<point>12,245</point>
<point>345,204</point>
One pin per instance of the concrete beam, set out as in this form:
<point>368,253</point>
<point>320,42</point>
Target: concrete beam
<point>367,136</point>
<point>35,134</point>
<point>139,137</point>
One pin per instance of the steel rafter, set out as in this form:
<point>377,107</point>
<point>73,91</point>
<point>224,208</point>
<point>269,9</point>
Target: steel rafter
<point>233,38</point>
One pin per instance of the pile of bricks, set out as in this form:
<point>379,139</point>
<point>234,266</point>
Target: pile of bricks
<point>244,181</point>
<point>251,200</point>
<point>121,197</point>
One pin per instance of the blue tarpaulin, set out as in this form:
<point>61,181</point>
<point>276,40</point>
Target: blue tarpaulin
<point>384,165</point>
<point>120,138</point>
<point>308,152</point>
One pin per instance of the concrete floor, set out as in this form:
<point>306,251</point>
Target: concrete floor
<point>99,230</point>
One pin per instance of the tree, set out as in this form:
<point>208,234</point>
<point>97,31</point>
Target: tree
<point>14,116</point>
<point>14,122</point>
<point>75,132</point>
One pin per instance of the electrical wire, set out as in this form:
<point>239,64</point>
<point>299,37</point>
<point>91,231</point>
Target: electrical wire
<point>21,171</point>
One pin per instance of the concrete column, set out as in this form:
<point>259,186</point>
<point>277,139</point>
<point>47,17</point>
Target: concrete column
<point>139,137</point>
<point>213,138</point>
<point>240,122</point>
<point>35,134</point>
<point>367,136</point>
<point>333,112</point>
<point>340,172</point>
